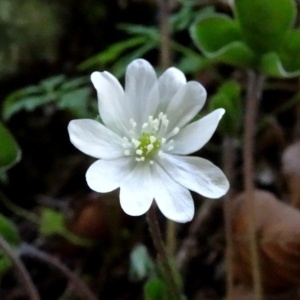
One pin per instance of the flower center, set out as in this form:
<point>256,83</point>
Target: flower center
<point>151,139</point>
<point>148,146</point>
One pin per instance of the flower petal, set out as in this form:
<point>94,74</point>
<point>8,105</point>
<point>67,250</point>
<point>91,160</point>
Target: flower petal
<point>185,104</point>
<point>111,104</point>
<point>195,135</point>
<point>141,90</point>
<point>173,200</point>
<point>94,139</point>
<point>135,193</point>
<point>106,175</point>
<point>196,174</point>
<point>168,85</point>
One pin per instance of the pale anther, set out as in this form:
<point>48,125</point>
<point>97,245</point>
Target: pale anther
<point>135,142</point>
<point>150,147</point>
<point>152,139</point>
<point>127,152</point>
<point>139,152</point>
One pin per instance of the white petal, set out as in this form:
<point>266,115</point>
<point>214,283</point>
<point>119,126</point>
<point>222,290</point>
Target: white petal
<point>94,139</point>
<point>112,108</point>
<point>195,135</point>
<point>196,174</point>
<point>135,193</point>
<point>168,84</point>
<point>173,200</point>
<point>141,90</point>
<point>106,175</point>
<point>185,104</point>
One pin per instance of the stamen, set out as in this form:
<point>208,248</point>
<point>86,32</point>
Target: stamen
<point>174,132</point>
<point>127,152</point>
<point>153,139</point>
<point>139,152</point>
<point>135,142</point>
<point>150,147</point>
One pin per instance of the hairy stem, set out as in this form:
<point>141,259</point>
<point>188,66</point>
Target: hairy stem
<point>78,285</point>
<point>253,96</point>
<point>22,272</point>
<point>228,163</point>
<point>162,255</point>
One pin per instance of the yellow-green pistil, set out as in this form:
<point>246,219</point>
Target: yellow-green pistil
<point>148,146</point>
<point>150,140</point>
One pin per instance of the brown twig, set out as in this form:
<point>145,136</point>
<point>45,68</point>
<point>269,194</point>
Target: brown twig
<point>254,90</point>
<point>228,163</point>
<point>22,272</point>
<point>79,285</point>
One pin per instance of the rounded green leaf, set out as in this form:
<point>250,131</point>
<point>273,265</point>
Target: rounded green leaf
<point>213,32</point>
<point>290,51</point>
<point>271,65</point>
<point>10,152</point>
<point>264,23</point>
<point>228,97</point>
<point>219,38</point>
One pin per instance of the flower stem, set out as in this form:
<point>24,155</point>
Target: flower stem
<point>162,255</point>
<point>228,163</point>
<point>165,33</point>
<point>165,62</point>
<point>77,283</point>
<point>253,95</point>
<point>22,272</point>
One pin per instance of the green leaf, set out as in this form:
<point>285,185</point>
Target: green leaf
<point>219,38</point>
<point>213,32</point>
<point>10,152</point>
<point>271,65</point>
<point>52,222</point>
<point>228,97</point>
<point>76,101</point>
<point>155,289</point>
<point>51,83</point>
<point>265,22</point>
<point>112,53</point>
<point>148,31</point>
<point>10,233</point>
<point>290,51</point>
<point>141,264</point>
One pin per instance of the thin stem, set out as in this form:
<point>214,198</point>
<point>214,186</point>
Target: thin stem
<point>18,210</point>
<point>165,61</point>
<point>254,90</point>
<point>228,163</point>
<point>165,33</point>
<point>162,254</point>
<point>22,272</point>
<point>77,283</point>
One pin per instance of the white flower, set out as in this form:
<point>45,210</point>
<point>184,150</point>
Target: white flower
<point>142,144</point>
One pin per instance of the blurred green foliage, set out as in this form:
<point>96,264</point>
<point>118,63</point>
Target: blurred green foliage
<point>9,232</point>
<point>30,31</point>
<point>260,36</point>
<point>10,153</point>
